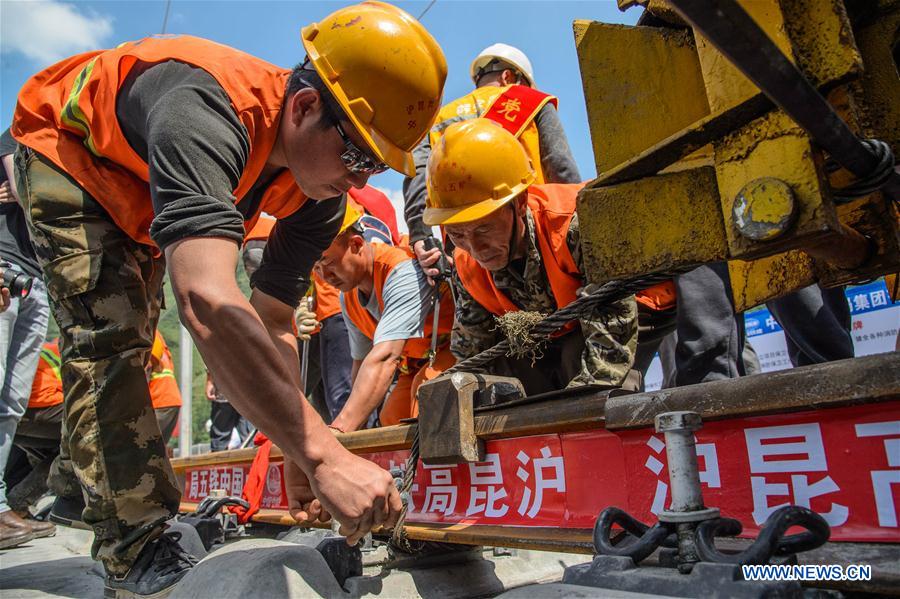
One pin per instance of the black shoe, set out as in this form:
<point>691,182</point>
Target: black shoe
<point>66,511</point>
<point>158,568</point>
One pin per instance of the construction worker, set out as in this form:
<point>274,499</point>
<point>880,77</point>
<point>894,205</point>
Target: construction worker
<point>518,249</point>
<point>172,147</point>
<point>329,366</point>
<point>388,306</point>
<point>165,397</point>
<point>23,327</point>
<point>40,433</point>
<point>336,363</point>
<point>505,92</point>
<point>36,443</point>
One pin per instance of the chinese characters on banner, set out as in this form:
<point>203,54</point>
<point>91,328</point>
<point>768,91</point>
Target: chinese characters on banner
<point>200,482</point>
<point>844,463</point>
<point>837,462</point>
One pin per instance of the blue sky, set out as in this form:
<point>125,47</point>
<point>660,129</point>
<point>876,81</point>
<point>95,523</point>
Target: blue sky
<point>35,33</point>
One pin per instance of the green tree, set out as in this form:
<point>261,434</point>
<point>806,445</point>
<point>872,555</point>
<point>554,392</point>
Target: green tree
<point>170,327</point>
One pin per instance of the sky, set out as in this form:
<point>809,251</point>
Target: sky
<point>37,33</point>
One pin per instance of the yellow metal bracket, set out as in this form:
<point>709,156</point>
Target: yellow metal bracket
<point>673,104</point>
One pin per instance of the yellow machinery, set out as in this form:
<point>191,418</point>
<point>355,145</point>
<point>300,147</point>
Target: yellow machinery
<point>697,165</point>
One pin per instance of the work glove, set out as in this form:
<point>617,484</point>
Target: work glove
<point>305,321</point>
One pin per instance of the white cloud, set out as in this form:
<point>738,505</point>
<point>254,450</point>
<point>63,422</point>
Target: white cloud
<point>396,198</point>
<point>48,31</point>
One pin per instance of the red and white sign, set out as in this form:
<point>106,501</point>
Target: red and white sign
<point>844,463</point>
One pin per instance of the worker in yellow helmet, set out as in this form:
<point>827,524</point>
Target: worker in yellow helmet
<point>518,249</point>
<point>158,155</point>
<point>506,93</point>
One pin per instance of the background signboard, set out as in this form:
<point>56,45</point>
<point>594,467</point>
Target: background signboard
<point>874,327</point>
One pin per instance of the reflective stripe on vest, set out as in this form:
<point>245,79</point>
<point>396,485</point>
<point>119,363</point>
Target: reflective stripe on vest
<point>477,103</point>
<point>53,361</point>
<point>46,389</point>
<point>166,373</point>
<point>163,386</point>
<point>71,113</point>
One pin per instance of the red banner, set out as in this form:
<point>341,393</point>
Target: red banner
<point>516,107</point>
<point>844,463</point>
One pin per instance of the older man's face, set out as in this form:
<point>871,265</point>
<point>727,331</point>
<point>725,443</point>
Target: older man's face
<point>487,239</point>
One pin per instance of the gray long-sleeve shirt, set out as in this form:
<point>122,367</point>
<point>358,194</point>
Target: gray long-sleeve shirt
<point>557,163</point>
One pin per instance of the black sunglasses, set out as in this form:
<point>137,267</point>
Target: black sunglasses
<point>354,159</point>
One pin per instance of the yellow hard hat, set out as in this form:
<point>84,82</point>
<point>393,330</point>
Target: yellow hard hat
<point>476,168</point>
<point>159,346</point>
<point>351,216</point>
<point>385,70</point>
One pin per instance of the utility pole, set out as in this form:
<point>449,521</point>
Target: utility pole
<point>186,378</point>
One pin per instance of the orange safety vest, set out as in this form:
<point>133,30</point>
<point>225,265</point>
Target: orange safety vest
<point>514,107</point>
<point>47,390</point>
<point>261,230</point>
<point>328,299</point>
<point>387,257</point>
<point>67,113</point>
<point>552,207</point>
<point>163,387</point>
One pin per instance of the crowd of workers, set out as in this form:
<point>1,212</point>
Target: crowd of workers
<point>177,154</point>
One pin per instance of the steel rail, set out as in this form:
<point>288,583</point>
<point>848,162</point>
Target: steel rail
<point>736,35</point>
<point>844,382</point>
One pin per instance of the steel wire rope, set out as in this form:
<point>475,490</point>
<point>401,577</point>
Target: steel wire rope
<point>582,307</point>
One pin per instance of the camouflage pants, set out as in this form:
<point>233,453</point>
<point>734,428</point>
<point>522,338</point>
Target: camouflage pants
<point>104,291</point>
<point>61,478</point>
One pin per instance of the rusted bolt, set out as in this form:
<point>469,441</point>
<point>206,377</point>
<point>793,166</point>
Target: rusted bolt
<point>764,209</point>
<point>678,421</point>
<point>687,508</point>
<point>684,473</point>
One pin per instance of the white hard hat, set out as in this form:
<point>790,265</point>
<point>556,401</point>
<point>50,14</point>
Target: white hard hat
<point>506,53</point>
